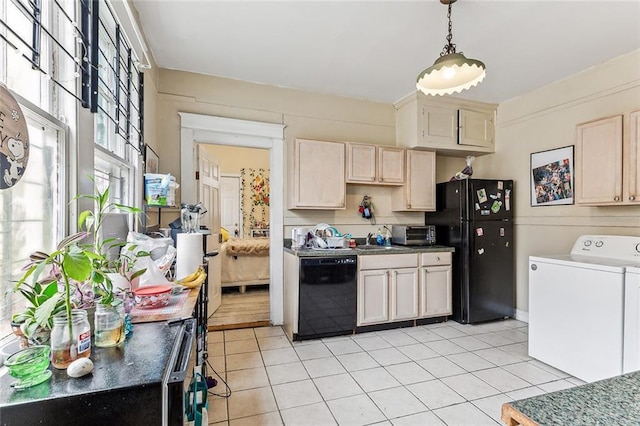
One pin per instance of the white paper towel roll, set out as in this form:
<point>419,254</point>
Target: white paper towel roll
<point>189,254</point>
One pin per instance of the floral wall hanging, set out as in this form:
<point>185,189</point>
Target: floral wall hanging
<point>254,194</point>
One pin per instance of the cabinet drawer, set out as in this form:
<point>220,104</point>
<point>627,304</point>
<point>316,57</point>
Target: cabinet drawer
<point>441,258</point>
<point>388,261</point>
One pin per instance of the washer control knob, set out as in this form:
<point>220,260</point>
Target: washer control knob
<point>587,243</point>
<point>534,267</point>
<point>599,243</point>
<point>638,247</point>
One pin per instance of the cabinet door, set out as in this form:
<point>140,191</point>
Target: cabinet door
<point>598,167</point>
<point>634,158</point>
<point>475,128</point>
<point>435,291</point>
<point>390,165</point>
<point>361,163</point>
<point>373,297</point>
<point>421,180</point>
<point>403,295</point>
<point>319,175</point>
<point>439,126</point>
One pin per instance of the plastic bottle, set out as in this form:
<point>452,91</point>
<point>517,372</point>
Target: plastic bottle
<point>387,237</point>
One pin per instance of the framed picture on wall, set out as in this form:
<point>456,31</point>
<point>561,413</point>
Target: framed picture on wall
<point>151,160</point>
<point>552,177</point>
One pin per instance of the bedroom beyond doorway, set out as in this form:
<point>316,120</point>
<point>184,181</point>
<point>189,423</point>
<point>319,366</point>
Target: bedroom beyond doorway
<point>245,225</point>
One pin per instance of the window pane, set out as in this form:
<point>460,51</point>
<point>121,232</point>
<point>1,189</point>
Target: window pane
<point>110,171</point>
<point>21,78</point>
<point>31,214</point>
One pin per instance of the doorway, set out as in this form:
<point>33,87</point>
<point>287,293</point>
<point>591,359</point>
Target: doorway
<point>197,128</point>
<point>244,251</point>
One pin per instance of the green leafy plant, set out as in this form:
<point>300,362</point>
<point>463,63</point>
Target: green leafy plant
<point>92,220</point>
<point>68,262</point>
<point>75,263</point>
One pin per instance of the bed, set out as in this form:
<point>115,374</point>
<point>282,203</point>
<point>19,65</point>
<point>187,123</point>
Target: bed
<point>245,261</point>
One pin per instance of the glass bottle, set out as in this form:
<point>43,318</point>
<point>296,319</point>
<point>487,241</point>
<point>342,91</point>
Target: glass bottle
<point>66,347</point>
<point>109,325</point>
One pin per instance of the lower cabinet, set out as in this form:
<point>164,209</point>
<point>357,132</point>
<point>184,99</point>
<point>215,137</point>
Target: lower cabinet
<point>385,293</point>
<point>435,285</point>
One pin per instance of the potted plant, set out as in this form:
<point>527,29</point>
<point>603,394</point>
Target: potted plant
<point>73,267</point>
<point>48,301</point>
<point>108,300</point>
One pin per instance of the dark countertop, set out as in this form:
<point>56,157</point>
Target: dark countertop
<point>365,252</point>
<point>117,371</point>
<point>614,401</point>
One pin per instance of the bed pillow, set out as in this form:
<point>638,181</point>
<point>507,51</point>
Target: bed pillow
<point>225,234</point>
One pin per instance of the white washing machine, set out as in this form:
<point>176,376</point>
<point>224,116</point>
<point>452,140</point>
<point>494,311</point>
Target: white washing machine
<point>577,306</point>
<point>631,358</point>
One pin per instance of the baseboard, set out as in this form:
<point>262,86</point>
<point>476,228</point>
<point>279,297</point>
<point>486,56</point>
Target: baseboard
<point>251,324</point>
<point>522,315</point>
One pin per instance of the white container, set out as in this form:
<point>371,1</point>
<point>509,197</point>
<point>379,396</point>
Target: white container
<point>336,242</point>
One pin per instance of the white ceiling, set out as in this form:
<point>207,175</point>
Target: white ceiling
<point>375,49</point>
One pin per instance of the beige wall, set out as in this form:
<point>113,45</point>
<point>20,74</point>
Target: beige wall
<point>234,158</point>
<point>543,119</point>
<point>305,115</point>
<point>546,119</point>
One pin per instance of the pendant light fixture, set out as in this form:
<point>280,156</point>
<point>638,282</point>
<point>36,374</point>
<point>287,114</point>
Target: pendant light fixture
<point>452,72</point>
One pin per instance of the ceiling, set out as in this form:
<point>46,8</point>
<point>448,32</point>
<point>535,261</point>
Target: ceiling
<point>375,49</point>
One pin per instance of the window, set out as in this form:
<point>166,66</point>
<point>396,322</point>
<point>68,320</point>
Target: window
<point>118,101</point>
<point>50,60</point>
<point>31,212</point>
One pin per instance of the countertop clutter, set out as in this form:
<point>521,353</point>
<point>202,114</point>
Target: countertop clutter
<point>128,384</point>
<point>110,395</point>
<point>611,401</point>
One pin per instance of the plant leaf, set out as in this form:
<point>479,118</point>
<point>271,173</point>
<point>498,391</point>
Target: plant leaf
<point>104,198</point>
<point>44,311</point>
<point>127,209</point>
<point>76,264</point>
<point>137,273</point>
<point>71,239</point>
<point>82,217</point>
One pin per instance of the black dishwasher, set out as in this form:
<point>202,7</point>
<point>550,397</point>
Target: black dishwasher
<point>327,297</point>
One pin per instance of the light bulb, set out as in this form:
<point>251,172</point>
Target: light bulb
<point>448,73</point>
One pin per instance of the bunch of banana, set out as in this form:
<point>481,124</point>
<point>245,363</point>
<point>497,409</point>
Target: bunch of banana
<point>194,279</point>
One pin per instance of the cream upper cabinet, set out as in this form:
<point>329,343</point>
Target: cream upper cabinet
<point>371,164</point>
<point>454,127</point>
<point>318,175</point>
<point>435,285</point>
<point>600,163</point>
<point>418,192</point>
<point>476,128</point>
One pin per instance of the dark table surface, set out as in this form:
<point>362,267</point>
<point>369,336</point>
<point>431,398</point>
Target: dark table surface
<point>121,371</point>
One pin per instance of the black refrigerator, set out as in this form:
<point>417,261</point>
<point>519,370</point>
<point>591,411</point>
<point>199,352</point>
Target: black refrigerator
<point>476,217</point>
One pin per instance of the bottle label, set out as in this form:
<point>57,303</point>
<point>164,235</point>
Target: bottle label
<point>84,342</point>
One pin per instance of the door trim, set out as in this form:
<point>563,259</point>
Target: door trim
<point>198,128</point>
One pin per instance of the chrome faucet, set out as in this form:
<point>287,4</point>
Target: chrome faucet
<point>369,236</point>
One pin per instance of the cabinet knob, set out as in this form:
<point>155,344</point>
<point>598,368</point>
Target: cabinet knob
<point>632,198</point>
<point>409,205</point>
<point>616,198</point>
<point>381,179</point>
<point>437,257</point>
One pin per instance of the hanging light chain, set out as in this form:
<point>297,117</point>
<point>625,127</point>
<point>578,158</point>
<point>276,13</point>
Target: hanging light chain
<point>449,47</point>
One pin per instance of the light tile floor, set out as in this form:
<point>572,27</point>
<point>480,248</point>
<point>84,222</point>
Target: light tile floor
<point>439,374</point>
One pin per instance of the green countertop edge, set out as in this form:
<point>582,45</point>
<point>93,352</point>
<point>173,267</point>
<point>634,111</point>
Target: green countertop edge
<point>614,401</point>
<point>367,252</point>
